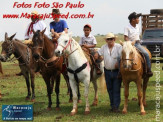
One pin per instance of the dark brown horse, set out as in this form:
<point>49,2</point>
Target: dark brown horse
<point>50,65</point>
<point>24,56</point>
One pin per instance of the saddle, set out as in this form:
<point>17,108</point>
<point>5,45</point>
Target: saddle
<point>93,57</point>
<point>143,60</point>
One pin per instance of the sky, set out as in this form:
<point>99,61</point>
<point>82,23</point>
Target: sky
<point>109,15</point>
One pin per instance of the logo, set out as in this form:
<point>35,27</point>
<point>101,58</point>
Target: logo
<point>17,112</point>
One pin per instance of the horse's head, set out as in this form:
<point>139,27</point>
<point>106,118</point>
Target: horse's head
<point>64,44</point>
<point>7,47</point>
<point>128,54</point>
<point>38,43</point>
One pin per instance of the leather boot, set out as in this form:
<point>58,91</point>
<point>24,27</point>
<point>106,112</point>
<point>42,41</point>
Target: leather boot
<point>149,72</point>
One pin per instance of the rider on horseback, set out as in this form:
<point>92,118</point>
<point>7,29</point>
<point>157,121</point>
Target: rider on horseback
<point>131,33</point>
<point>57,26</point>
<point>88,41</point>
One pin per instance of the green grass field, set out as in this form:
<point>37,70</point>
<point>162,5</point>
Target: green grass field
<point>14,91</point>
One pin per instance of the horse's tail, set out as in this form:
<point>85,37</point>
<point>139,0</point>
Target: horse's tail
<point>102,82</point>
<point>1,71</point>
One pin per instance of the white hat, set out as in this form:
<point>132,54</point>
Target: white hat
<point>110,35</point>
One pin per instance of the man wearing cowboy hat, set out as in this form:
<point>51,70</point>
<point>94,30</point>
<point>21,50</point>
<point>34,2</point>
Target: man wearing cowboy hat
<point>36,24</point>
<point>57,26</point>
<point>111,53</point>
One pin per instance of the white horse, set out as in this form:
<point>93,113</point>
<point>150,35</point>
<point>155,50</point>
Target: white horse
<point>78,61</point>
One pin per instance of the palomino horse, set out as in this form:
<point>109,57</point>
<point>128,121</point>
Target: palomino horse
<point>50,65</point>
<point>131,68</point>
<point>78,68</point>
<point>24,56</point>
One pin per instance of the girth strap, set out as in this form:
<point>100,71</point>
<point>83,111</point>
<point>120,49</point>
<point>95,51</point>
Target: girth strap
<point>77,71</point>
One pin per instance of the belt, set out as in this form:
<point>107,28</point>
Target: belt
<point>112,70</point>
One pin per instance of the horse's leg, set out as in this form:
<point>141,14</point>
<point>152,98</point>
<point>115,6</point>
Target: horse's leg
<point>57,91</point>
<point>52,83</point>
<point>69,91</point>
<point>26,76</point>
<point>96,95</point>
<point>32,76</point>
<point>86,91</point>
<point>145,82</point>
<point>140,96</point>
<point>47,81</point>
<point>126,93</point>
<point>67,82</point>
<point>73,85</point>
<point>79,95</point>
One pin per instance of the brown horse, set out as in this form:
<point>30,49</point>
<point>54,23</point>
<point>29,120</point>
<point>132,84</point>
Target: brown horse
<point>131,68</point>
<point>50,65</point>
<point>24,56</point>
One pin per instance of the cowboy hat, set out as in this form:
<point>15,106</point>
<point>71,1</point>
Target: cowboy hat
<point>110,35</point>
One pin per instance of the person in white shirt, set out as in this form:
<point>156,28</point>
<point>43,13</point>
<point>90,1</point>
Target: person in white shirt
<point>131,33</point>
<point>36,24</point>
<point>88,41</point>
<point>111,53</point>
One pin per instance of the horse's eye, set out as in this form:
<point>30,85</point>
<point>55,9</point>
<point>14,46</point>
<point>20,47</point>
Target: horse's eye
<point>66,41</point>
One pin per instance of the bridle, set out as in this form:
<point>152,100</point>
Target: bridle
<point>132,62</point>
<point>65,47</point>
<point>10,51</point>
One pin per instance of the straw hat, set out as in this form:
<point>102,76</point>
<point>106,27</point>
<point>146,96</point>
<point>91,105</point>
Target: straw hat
<point>110,35</point>
<point>34,13</point>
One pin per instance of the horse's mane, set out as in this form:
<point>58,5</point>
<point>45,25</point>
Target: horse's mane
<point>127,46</point>
<point>79,48</point>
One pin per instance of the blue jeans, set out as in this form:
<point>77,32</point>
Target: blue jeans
<point>146,55</point>
<point>113,87</point>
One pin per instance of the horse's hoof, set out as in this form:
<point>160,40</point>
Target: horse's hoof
<point>134,99</point>
<point>27,98</point>
<point>70,101</point>
<point>87,112</point>
<point>57,109</point>
<point>79,101</point>
<point>32,100</point>
<point>142,113</point>
<point>49,108</point>
<point>124,112</point>
<point>94,104</point>
<point>72,113</point>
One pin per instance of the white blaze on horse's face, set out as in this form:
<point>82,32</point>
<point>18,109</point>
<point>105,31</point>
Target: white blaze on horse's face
<point>63,44</point>
<point>127,55</point>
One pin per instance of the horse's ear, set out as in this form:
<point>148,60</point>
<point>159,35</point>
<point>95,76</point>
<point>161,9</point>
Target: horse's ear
<point>11,37</point>
<point>43,31</point>
<point>133,43</point>
<point>121,42</point>
<point>6,36</point>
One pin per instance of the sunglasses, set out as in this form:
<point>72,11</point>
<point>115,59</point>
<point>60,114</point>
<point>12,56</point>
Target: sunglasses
<point>110,39</point>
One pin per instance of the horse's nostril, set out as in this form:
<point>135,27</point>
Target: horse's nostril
<point>36,56</point>
<point>58,52</point>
